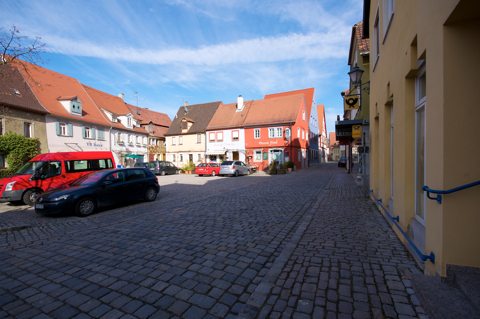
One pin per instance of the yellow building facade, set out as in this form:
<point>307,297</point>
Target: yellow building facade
<point>424,74</point>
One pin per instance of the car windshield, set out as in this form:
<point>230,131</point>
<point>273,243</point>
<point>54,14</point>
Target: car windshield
<point>90,179</point>
<point>342,159</point>
<point>202,165</point>
<point>29,168</point>
<point>227,163</point>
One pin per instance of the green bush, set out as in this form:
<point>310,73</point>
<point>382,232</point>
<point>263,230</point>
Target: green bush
<point>290,164</point>
<point>188,167</point>
<point>18,150</point>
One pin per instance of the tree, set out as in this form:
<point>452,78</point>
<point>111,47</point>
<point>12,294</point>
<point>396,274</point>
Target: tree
<point>16,49</point>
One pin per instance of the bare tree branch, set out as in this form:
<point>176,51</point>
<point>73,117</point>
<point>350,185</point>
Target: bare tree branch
<point>17,49</point>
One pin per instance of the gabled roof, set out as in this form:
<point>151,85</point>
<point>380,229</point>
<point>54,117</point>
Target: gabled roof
<point>159,131</point>
<point>49,85</point>
<point>10,80</point>
<point>357,37</point>
<point>227,116</point>
<point>308,97</point>
<point>200,113</point>
<point>147,115</point>
<point>274,110</point>
<point>113,104</point>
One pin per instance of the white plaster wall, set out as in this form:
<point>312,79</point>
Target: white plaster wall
<point>57,143</point>
<point>228,145</point>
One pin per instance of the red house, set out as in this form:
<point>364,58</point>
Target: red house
<point>277,129</point>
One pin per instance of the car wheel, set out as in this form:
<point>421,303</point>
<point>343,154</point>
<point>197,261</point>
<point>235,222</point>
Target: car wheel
<point>213,173</point>
<point>150,194</point>
<point>200,175</point>
<point>162,173</point>
<point>30,196</point>
<point>177,172</point>
<point>248,172</point>
<point>86,206</point>
<point>236,173</point>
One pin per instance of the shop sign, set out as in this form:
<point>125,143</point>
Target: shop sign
<point>94,144</point>
<point>268,143</point>
<point>351,102</point>
<point>356,131</point>
<point>344,132</point>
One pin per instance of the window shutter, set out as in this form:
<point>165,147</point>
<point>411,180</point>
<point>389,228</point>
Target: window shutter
<point>70,129</point>
<point>100,134</point>
<point>93,132</point>
<point>83,131</point>
<point>57,127</point>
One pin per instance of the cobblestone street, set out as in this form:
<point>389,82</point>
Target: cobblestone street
<point>302,245</point>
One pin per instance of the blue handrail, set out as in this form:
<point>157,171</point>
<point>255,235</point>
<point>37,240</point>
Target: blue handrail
<point>453,190</point>
<point>394,220</point>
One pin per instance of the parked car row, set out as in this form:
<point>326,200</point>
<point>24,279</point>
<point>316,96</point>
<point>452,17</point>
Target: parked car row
<point>82,182</point>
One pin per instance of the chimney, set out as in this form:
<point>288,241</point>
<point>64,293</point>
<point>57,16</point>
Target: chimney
<point>185,103</point>
<point>122,96</point>
<point>239,103</point>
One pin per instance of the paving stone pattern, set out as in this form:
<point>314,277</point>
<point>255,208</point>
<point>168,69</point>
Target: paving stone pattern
<point>301,245</point>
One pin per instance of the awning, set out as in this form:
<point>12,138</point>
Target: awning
<point>215,153</point>
<point>133,156</point>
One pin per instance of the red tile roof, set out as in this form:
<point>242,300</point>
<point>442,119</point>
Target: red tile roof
<point>308,97</point>
<point>227,116</point>
<point>357,37</point>
<point>274,110</point>
<point>113,104</point>
<point>48,86</point>
<point>147,115</point>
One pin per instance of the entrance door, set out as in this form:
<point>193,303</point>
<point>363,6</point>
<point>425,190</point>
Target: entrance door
<point>420,147</point>
<point>235,156</point>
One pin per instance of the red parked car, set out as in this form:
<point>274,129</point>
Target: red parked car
<point>207,169</point>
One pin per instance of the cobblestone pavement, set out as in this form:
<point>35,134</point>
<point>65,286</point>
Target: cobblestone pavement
<point>302,245</point>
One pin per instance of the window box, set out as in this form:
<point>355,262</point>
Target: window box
<point>130,143</point>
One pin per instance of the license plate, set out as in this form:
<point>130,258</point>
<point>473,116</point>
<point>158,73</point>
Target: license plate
<point>39,206</point>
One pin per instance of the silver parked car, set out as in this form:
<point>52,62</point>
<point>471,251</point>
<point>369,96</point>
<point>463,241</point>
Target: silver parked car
<point>234,168</point>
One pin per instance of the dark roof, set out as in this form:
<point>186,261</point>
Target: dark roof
<point>11,79</point>
<point>201,114</point>
<point>147,115</point>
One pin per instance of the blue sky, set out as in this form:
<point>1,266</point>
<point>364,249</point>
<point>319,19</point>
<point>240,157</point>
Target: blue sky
<point>199,51</point>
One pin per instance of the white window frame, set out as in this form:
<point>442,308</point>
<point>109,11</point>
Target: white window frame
<point>376,38</point>
<point>235,132</point>
<point>173,158</point>
<point>199,157</point>
<point>420,103</point>
<point>180,158</point>
<point>256,133</point>
<point>129,121</point>
<point>303,134</point>
<point>255,154</point>
<point>220,136</point>
<point>391,151</point>
<point>199,138</point>
<point>88,132</point>
<point>174,140</point>
<point>180,140</point>
<point>388,13</point>
<point>30,129</point>
<point>298,132</point>
<point>63,129</point>
<point>211,136</point>
<point>303,115</point>
<point>288,133</point>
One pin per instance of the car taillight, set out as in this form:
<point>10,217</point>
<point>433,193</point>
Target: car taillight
<point>156,179</point>
<point>233,166</point>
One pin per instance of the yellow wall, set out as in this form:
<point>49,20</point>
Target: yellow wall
<point>14,120</point>
<point>445,34</point>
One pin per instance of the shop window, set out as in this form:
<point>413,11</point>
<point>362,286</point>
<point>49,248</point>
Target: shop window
<point>258,156</point>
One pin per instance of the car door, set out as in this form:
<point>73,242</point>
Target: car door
<point>136,183</point>
<point>171,168</point>
<point>113,189</point>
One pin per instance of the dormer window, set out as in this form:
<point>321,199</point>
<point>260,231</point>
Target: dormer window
<point>72,104</point>
<point>129,121</point>
<point>186,124</point>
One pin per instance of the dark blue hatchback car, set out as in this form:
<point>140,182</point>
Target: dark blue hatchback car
<point>100,189</point>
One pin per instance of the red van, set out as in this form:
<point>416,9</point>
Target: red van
<point>47,171</point>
